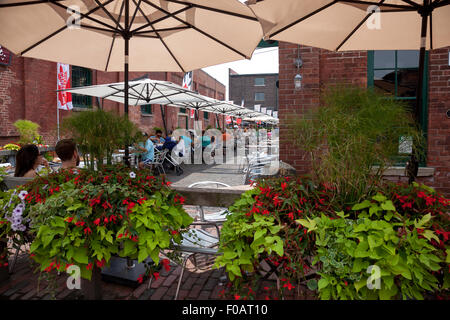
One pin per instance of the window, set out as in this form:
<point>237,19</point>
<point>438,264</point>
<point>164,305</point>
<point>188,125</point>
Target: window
<point>259,96</point>
<point>205,115</point>
<point>259,81</point>
<point>395,73</point>
<point>81,77</point>
<point>182,110</point>
<point>146,109</point>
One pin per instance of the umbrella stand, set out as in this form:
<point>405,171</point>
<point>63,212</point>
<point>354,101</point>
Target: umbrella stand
<point>163,115</point>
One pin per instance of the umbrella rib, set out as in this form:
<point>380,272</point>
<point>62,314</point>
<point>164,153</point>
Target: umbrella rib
<point>216,10</point>
<point>388,5</point>
<point>139,94</point>
<point>134,14</point>
<point>412,3</point>
<point>86,15</point>
<point>440,3</point>
<point>162,30</point>
<point>109,14</point>
<point>18,4</point>
<point>198,30</point>
<point>160,19</point>
<point>160,38</point>
<point>57,31</point>
<point>114,38</point>
<point>163,95</point>
<point>304,18</point>
<point>357,27</point>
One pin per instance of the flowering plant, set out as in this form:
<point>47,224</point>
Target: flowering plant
<point>262,230</point>
<point>84,217</point>
<point>410,257</point>
<point>11,146</point>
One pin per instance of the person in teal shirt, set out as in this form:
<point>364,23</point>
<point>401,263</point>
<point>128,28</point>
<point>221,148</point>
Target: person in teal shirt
<point>149,153</point>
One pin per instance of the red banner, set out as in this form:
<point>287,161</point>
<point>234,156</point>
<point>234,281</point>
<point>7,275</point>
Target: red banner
<point>228,119</point>
<point>5,56</point>
<point>63,82</point>
<point>239,121</point>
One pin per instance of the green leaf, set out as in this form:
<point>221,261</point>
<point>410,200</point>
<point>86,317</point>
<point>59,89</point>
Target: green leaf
<point>322,283</point>
<point>259,233</point>
<point>80,255</point>
<point>422,221</point>
<point>388,206</point>
<point>361,283</point>
<point>312,284</point>
<point>379,197</point>
<point>428,234</point>
<point>386,294</point>
<point>143,254</point>
<point>362,205</point>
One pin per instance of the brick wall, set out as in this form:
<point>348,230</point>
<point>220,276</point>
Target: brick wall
<point>438,122</point>
<point>322,68</point>
<point>27,91</point>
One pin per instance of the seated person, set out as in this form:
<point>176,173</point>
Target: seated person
<point>149,153</point>
<point>169,142</point>
<point>28,159</point>
<point>157,138</point>
<point>66,150</point>
<point>206,140</point>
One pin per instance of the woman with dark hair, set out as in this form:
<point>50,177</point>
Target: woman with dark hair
<point>28,159</point>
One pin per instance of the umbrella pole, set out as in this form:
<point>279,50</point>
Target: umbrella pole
<point>412,166</point>
<point>163,115</point>
<point>127,39</point>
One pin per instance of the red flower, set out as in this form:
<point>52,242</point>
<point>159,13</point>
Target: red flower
<point>289,286</point>
<point>106,205</point>
<point>283,185</point>
<point>97,221</point>
<point>291,215</point>
<point>79,223</point>
<point>89,266</point>
<point>174,232</point>
<point>141,201</point>
<point>156,275</point>
<point>266,212</point>
<point>429,201</point>
<point>236,297</point>
<point>166,264</point>
<point>100,264</point>
<point>276,201</point>
<point>346,283</point>
<point>69,219</point>
<point>87,230</point>
<point>141,278</point>
<point>120,235</point>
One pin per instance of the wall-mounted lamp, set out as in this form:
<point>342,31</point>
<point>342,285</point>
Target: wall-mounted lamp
<point>298,81</point>
<point>298,77</point>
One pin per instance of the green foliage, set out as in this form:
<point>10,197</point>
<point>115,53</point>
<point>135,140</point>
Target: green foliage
<point>28,131</point>
<point>243,241</point>
<point>354,130</point>
<point>98,133</point>
<point>84,218</point>
<point>399,247</point>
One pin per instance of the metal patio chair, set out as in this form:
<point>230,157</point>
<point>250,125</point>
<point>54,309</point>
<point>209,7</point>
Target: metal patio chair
<point>218,216</point>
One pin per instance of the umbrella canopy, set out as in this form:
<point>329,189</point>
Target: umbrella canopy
<point>341,25</point>
<point>141,92</point>
<point>163,35</point>
<point>130,35</point>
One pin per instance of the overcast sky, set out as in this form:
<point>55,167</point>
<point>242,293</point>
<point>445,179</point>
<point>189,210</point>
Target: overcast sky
<point>263,61</point>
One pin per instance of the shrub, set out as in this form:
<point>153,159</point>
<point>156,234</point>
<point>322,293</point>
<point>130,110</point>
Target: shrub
<point>98,133</point>
<point>28,131</point>
<point>354,130</point>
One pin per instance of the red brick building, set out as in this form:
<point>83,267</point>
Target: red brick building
<point>368,68</point>
<point>27,91</point>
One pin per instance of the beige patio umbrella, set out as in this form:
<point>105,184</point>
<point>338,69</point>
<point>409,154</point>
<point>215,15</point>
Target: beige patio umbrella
<point>342,25</point>
<point>130,35</point>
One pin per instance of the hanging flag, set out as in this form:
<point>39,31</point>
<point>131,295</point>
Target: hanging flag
<point>257,107</point>
<point>238,121</point>
<point>275,114</point>
<point>228,119</point>
<point>63,82</point>
<point>269,112</point>
<point>192,113</point>
<point>187,80</point>
<point>263,110</point>
<point>5,56</point>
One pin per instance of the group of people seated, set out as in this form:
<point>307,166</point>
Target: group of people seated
<point>28,158</point>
